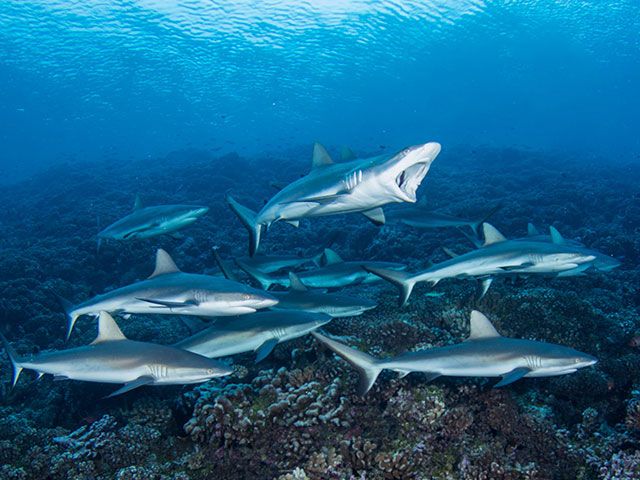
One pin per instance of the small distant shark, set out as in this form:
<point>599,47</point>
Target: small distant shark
<point>299,297</point>
<point>171,291</point>
<point>146,222</point>
<point>485,353</point>
<point>334,188</point>
<point>259,332</point>
<point>417,216</point>
<point>501,257</point>
<point>112,358</point>
<point>335,274</point>
<point>273,263</point>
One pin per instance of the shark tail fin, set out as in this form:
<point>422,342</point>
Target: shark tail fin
<point>368,367</point>
<point>262,278</point>
<point>476,225</point>
<point>68,310</point>
<point>248,219</point>
<point>403,280</point>
<point>16,361</point>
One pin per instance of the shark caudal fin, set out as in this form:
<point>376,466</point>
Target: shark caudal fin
<point>68,311</point>
<point>262,278</point>
<point>16,361</point>
<point>368,367</point>
<point>248,219</point>
<point>476,225</point>
<point>403,280</point>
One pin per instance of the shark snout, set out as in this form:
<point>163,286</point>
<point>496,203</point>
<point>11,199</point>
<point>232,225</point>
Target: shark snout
<point>585,360</point>
<point>412,165</point>
<point>200,211</point>
<point>263,301</point>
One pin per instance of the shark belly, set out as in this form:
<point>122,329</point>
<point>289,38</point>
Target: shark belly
<point>226,346</point>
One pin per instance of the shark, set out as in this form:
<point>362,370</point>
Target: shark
<point>170,291</point>
<point>485,353</point>
<point>259,332</point>
<point>147,222</point>
<point>417,216</point>
<point>300,297</point>
<point>113,358</point>
<point>273,263</point>
<point>500,257</point>
<point>335,273</point>
<point>361,185</point>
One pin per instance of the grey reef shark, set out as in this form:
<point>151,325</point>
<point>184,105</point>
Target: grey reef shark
<point>335,273</point>
<point>318,300</point>
<point>485,353</point>
<point>499,256</point>
<point>259,332</point>
<point>362,185</point>
<point>147,222</point>
<point>170,291</point>
<point>113,358</point>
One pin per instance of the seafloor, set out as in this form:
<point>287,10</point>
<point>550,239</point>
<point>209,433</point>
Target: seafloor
<point>295,415</point>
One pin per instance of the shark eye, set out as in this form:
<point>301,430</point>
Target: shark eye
<point>246,296</point>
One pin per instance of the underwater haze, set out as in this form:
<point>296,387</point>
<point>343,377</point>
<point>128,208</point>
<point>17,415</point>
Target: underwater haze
<point>92,80</point>
<point>319,240</point>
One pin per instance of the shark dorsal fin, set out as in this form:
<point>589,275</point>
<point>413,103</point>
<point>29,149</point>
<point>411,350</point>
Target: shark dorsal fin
<point>137,204</point>
<point>491,234</point>
<point>331,257</point>
<point>164,264</point>
<point>556,236</point>
<point>532,230</point>
<point>320,156</point>
<point>296,284</point>
<point>347,154</point>
<point>481,327</point>
<point>108,329</point>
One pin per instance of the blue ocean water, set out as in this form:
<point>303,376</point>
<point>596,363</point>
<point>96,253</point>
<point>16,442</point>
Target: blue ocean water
<point>94,80</point>
<point>144,144</point>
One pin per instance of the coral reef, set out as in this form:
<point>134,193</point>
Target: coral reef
<point>295,416</point>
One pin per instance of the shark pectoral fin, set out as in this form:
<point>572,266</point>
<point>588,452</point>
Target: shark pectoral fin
<point>430,376</point>
<point>294,223</point>
<point>376,215</point>
<point>169,304</point>
<point>265,349</point>
<point>59,378</point>
<point>509,268</point>
<point>321,198</point>
<point>403,373</point>
<point>512,376</point>
<point>486,283</point>
<point>127,387</point>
